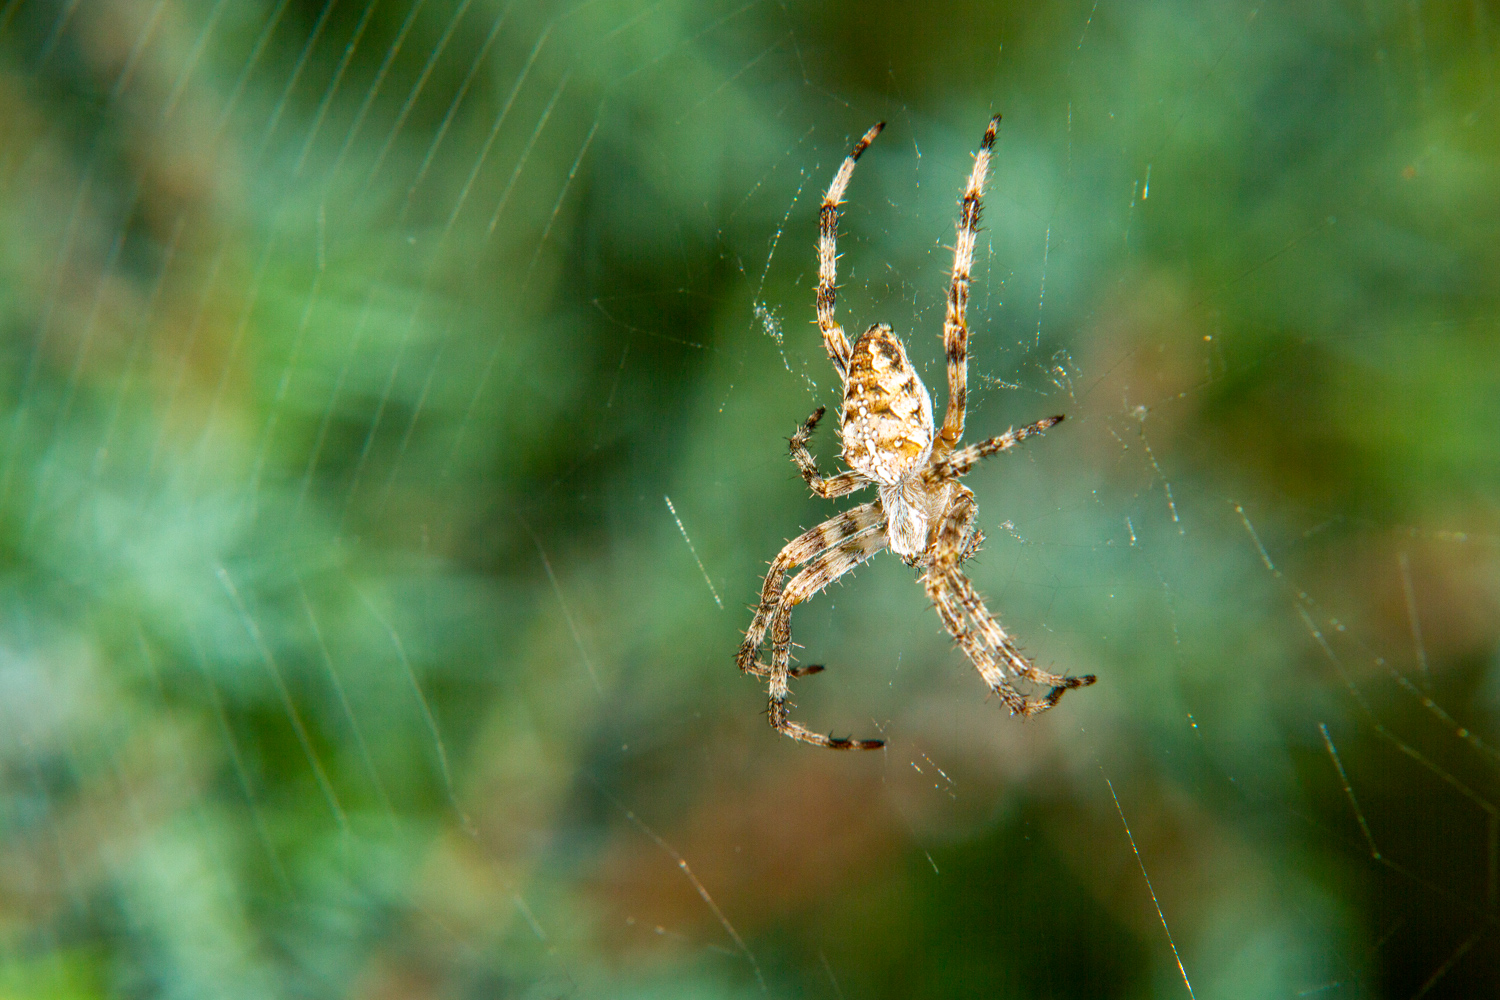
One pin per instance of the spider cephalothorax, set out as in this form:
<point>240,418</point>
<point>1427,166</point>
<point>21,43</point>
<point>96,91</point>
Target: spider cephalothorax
<point>922,512</point>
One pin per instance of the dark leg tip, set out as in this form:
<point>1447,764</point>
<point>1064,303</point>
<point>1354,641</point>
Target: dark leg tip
<point>865,140</point>
<point>989,133</point>
<point>810,669</point>
<point>846,743</point>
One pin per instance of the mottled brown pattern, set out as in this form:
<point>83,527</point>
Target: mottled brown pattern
<point>887,420</point>
<point>923,513</point>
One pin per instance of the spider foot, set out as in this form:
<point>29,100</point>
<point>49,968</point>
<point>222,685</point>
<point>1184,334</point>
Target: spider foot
<point>1027,707</point>
<point>747,662</point>
<point>802,734</point>
<point>755,668</point>
<point>809,425</point>
<point>972,546</point>
<point>845,743</point>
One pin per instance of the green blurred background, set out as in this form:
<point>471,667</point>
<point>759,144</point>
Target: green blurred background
<point>395,396</point>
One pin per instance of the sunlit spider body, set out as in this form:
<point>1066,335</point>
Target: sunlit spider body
<point>922,512</point>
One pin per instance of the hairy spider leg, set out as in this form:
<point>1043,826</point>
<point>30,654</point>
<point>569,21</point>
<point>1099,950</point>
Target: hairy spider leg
<point>828,224</point>
<point>955,322</point>
<point>923,514</point>
<point>832,486</point>
<point>954,597</point>
<point>819,574</point>
<point>811,543</point>
<point>960,462</point>
<point>1020,665</point>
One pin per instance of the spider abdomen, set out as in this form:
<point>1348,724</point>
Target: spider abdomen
<point>886,426</point>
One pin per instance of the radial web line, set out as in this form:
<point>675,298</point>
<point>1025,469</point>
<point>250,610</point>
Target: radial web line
<point>427,716</point>
<point>1416,622</point>
<point>711,589</point>
<point>374,87</point>
<point>563,605</point>
<point>1149,887</point>
<point>1349,791</point>
<point>338,688</point>
<point>453,105</point>
<point>333,86</point>
<point>1453,959</point>
<point>127,71</point>
<point>411,97</point>
<point>1301,603</point>
<point>193,59</point>
<point>484,152</point>
<point>255,53</point>
<point>525,157</point>
<point>269,660</point>
<point>687,870</point>
<point>561,195</point>
<point>295,75</point>
<point>241,771</point>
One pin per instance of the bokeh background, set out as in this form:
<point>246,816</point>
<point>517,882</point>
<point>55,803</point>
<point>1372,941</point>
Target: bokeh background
<point>395,396</point>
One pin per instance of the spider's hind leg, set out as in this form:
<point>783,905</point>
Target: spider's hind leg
<point>998,640</point>
<point>818,574</point>
<point>958,604</point>
<point>810,544</point>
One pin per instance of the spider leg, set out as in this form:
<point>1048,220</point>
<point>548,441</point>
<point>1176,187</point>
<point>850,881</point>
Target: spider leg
<point>832,486</point>
<point>996,637</point>
<point>829,565</point>
<point>828,223</point>
<point>828,535</point>
<point>955,323</point>
<point>955,598</point>
<point>971,547</point>
<point>950,611</point>
<point>827,568</point>
<point>960,462</point>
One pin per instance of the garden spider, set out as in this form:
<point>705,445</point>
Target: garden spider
<point>922,512</point>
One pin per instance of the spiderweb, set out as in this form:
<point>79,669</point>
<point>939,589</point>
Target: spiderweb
<point>395,404</point>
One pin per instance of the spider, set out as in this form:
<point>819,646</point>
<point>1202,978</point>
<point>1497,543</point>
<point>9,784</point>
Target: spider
<point>921,512</point>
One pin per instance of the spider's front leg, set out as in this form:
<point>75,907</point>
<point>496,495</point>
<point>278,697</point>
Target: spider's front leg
<point>956,322</point>
<point>834,339</point>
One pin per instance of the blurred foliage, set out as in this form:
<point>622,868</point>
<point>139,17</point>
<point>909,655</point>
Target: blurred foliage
<point>394,406</point>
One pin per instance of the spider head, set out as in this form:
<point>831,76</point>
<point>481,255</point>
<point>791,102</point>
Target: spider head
<point>886,425</point>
